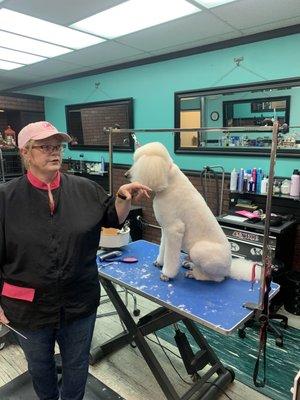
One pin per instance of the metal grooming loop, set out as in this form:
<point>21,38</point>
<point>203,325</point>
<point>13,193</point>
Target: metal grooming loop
<point>207,177</point>
<point>275,130</point>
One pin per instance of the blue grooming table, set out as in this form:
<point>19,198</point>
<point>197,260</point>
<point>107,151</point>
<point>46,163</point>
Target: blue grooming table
<point>219,306</point>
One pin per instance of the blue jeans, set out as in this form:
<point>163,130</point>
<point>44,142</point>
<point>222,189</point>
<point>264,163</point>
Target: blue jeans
<point>74,340</point>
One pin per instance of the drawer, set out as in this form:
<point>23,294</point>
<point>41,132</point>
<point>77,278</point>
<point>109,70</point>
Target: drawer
<point>246,243</point>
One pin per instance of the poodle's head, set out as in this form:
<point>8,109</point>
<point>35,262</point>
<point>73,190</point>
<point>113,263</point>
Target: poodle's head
<point>151,166</point>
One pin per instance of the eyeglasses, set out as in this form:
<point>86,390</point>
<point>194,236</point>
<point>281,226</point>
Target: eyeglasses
<point>48,148</point>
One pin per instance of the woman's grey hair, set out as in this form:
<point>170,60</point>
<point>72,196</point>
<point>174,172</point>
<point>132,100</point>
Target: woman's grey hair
<point>28,146</point>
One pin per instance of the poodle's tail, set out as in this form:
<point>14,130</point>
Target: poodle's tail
<point>245,270</point>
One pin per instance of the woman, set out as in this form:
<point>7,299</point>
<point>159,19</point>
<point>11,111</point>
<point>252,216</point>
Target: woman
<point>49,235</point>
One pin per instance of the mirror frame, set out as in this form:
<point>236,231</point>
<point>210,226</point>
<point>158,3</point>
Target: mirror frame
<point>283,83</point>
<point>127,101</point>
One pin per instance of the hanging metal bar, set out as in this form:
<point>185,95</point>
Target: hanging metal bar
<point>160,130</point>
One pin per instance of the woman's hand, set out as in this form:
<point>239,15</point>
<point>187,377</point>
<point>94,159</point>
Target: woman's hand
<point>3,319</point>
<point>133,190</point>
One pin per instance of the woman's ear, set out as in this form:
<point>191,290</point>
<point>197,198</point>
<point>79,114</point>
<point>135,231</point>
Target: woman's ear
<point>25,155</point>
<point>23,151</point>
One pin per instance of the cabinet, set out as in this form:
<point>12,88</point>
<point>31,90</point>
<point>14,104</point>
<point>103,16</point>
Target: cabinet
<point>246,238</point>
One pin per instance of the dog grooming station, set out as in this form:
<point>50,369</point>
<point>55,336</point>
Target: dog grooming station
<point>261,306</point>
<point>219,306</point>
<point>275,129</point>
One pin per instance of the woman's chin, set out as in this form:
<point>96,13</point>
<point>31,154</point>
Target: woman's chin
<point>53,167</point>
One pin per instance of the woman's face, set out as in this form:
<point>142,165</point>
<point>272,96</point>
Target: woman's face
<point>44,156</point>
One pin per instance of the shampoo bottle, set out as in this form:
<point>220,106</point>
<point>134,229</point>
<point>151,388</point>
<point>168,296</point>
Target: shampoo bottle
<point>233,180</point>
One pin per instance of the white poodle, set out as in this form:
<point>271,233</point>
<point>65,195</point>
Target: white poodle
<point>187,222</point>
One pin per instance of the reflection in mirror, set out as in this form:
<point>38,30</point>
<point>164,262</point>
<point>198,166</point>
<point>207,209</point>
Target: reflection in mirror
<point>252,106</point>
<point>85,123</point>
<point>256,112</point>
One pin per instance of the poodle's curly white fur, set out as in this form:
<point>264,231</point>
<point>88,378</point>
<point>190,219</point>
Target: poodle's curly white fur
<point>187,222</point>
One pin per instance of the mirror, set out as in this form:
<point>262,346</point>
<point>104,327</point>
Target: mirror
<point>248,106</point>
<point>85,124</point>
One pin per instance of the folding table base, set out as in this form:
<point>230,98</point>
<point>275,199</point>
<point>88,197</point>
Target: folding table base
<point>213,377</point>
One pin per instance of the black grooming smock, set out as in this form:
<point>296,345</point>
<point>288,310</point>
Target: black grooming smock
<point>53,256</point>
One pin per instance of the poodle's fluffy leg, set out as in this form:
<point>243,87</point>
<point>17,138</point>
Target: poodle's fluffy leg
<point>159,262</point>
<point>172,245</point>
<point>195,273</point>
<point>211,261</point>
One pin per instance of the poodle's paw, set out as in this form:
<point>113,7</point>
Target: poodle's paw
<point>189,274</point>
<point>164,278</point>
<point>187,264</point>
<point>157,264</point>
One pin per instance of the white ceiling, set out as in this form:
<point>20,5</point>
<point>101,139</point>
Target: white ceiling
<point>229,21</point>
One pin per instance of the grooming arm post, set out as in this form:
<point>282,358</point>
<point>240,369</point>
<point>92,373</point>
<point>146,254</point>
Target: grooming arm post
<point>110,149</point>
<point>266,249</point>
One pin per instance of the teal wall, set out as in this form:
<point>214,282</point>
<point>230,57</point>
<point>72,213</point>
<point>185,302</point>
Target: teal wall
<point>152,88</point>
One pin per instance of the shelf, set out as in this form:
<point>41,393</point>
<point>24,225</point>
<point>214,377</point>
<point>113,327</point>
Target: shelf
<point>279,196</point>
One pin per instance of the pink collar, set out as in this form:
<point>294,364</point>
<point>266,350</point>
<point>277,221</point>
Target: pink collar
<point>36,182</point>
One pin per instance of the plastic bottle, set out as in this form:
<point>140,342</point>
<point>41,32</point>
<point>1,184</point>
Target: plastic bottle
<point>241,180</point>
<point>251,185</point>
<point>259,176</point>
<point>295,184</point>
<point>254,176</point>
<point>286,187</point>
<point>233,180</point>
<point>264,185</point>
<point>102,162</point>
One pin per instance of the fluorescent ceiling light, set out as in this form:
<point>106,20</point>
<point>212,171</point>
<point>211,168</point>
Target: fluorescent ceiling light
<point>17,42</point>
<point>134,15</point>
<point>9,65</point>
<point>18,56</point>
<point>12,21</point>
<point>213,3</point>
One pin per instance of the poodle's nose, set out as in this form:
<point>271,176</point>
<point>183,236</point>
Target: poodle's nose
<point>127,174</point>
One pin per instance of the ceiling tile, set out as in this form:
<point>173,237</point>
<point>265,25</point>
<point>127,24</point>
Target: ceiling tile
<point>248,13</point>
<point>53,11</point>
<point>107,51</point>
<point>271,26</point>
<point>6,82</point>
<point>185,30</point>
<point>197,43</point>
<point>49,67</point>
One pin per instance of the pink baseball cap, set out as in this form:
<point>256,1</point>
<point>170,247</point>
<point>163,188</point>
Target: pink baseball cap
<point>39,130</point>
